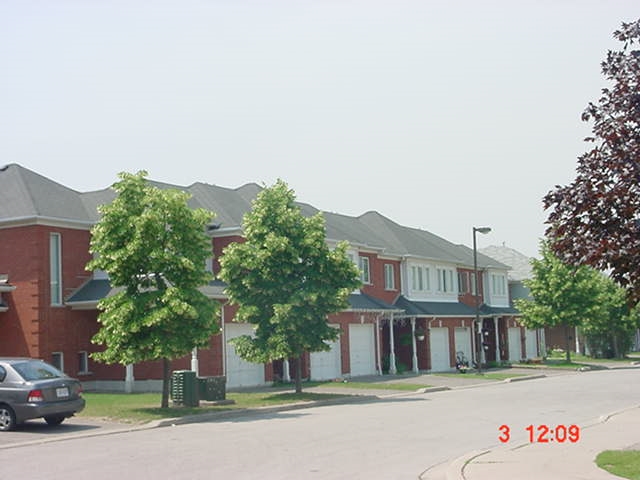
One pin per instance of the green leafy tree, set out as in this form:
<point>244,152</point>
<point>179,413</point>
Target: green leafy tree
<point>285,280</point>
<point>154,248</point>
<point>610,334</point>
<point>562,295</point>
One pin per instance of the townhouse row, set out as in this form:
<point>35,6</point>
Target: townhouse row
<point>416,309</point>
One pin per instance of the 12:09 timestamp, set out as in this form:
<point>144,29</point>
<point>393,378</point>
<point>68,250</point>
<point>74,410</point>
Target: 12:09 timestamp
<point>544,433</point>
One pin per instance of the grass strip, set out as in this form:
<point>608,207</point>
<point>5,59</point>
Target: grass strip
<point>144,407</point>
<point>624,463</point>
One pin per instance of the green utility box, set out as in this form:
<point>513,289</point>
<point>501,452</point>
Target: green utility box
<point>184,391</point>
<point>212,389</point>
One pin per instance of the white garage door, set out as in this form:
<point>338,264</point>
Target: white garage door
<point>327,365</point>
<point>241,373</point>
<point>515,347</point>
<point>463,342</point>
<point>439,346</point>
<point>362,351</point>
<point>531,343</point>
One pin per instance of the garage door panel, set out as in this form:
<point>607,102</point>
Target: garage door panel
<point>463,342</point>
<point>362,350</point>
<point>515,348</point>
<point>327,365</point>
<point>439,347</point>
<point>241,373</point>
<point>531,343</point>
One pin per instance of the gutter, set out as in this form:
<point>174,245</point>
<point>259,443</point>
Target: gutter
<point>43,220</point>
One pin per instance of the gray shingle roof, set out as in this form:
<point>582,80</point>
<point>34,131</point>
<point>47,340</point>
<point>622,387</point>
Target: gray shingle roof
<point>92,291</point>
<point>520,264</point>
<point>364,302</point>
<point>25,194</point>
<point>436,309</point>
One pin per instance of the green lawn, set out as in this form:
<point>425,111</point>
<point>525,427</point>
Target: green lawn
<point>578,358</point>
<point>624,463</point>
<point>144,407</point>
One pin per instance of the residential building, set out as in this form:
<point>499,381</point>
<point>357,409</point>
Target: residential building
<point>529,342</point>
<point>415,310</point>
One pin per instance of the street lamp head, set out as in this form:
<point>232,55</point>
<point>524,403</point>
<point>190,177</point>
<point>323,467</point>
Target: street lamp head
<point>482,229</point>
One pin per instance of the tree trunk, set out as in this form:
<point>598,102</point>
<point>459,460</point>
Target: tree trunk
<point>166,371</point>
<point>299,374</point>
<point>567,340</point>
<point>616,346</point>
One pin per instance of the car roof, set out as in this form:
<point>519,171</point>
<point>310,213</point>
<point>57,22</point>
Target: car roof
<point>11,360</point>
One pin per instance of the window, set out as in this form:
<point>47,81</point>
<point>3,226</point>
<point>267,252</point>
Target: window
<point>365,274</point>
<point>463,282</point>
<point>498,285</point>
<point>417,279</point>
<point>445,280</point>
<point>36,370</point>
<point>472,277</point>
<point>55,268</point>
<point>389,277</point>
<point>83,362</point>
<point>57,360</point>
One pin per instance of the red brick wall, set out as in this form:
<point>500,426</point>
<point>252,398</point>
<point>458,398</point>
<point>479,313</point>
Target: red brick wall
<point>219,244</point>
<point>468,298</point>
<point>376,287</point>
<point>32,327</point>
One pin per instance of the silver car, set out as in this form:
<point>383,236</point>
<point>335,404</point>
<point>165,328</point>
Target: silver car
<point>31,388</point>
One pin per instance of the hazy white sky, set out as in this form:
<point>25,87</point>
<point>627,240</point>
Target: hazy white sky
<point>440,115</point>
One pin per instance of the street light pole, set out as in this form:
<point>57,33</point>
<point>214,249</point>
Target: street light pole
<point>483,230</point>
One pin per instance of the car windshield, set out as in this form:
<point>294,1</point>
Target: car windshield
<point>36,371</point>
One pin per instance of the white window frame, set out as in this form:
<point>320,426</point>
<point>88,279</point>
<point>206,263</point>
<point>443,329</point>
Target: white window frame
<point>58,364</point>
<point>473,281</point>
<point>83,361</point>
<point>365,270</point>
<point>463,283</point>
<point>55,268</point>
<point>445,280</point>
<point>417,278</point>
<point>498,285</point>
<point>389,276</point>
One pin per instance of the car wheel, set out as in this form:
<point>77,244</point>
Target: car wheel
<point>7,418</point>
<point>54,419</point>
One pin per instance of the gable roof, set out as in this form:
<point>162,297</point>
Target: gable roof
<point>520,264</point>
<point>27,195</point>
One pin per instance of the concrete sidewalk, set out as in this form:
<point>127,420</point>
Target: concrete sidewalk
<point>553,460</point>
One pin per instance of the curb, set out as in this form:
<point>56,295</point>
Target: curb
<point>524,379</point>
<point>432,389</point>
<point>241,412</point>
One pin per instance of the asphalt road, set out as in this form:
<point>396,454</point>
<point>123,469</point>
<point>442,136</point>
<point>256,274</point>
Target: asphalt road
<point>394,438</point>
